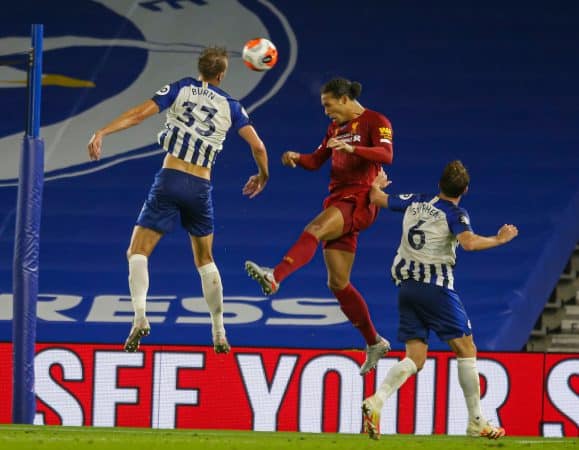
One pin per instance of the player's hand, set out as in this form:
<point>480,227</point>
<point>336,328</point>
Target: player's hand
<point>95,146</point>
<point>255,185</point>
<point>342,146</point>
<point>290,159</point>
<point>507,233</point>
<point>381,181</point>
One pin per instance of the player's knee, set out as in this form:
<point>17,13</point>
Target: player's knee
<point>464,347</point>
<point>469,351</point>
<point>417,358</point>
<point>133,251</point>
<point>337,283</point>
<point>419,363</point>
<point>139,248</point>
<point>473,348</point>
<point>203,257</point>
<point>203,260</point>
<point>313,228</point>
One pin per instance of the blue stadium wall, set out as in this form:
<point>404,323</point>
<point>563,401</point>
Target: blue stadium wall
<point>493,84</point>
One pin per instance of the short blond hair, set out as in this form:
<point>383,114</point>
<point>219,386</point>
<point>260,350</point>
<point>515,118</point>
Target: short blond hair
<point>212,62</point>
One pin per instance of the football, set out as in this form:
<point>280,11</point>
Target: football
<point>259,54</point>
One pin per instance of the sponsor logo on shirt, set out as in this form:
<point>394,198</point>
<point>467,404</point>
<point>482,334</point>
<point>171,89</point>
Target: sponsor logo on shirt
<point>385,133</point>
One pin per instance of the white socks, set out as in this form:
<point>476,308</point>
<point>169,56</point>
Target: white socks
<point>469,382</point>
<point>210,282</point>
<point>138,284</point>
<point>213,293</point>
<point>467,377</point>
<point>395,377</point>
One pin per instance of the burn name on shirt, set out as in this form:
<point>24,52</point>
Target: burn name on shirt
<point>204,92</point>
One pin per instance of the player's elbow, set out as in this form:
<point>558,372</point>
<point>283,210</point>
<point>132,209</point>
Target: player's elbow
<point>258,148</point>
<point>143,112</point>
<point>469,241</point>
<point>469,245</point>
<point>388,154</point>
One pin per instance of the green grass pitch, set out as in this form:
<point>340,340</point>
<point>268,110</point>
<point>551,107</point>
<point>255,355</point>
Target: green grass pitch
<point>16,437</point>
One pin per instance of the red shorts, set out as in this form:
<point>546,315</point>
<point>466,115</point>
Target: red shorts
<point>358,214</point>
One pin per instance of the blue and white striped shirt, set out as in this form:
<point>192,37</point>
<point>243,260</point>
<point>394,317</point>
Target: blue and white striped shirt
<point>198,119</point>
<point>427,250</point>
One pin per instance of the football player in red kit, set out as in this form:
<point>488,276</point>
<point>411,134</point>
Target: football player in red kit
<point>358,141</point>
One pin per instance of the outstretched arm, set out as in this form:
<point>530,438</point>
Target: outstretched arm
<point>256,183</point>
<point>130,118</point>
<point>471,241</point>
<point>308,161</point>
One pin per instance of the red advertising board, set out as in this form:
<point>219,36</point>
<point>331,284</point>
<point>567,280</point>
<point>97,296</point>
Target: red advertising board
<point>269,389</point>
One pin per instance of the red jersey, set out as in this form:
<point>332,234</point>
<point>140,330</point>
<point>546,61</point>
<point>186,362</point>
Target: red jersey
<point>371,136</point>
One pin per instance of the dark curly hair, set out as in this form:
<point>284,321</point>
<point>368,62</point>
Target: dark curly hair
<point>339,87</point>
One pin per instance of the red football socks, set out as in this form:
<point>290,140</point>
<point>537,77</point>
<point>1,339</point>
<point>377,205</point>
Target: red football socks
<point>299,255</point>
<point>354,307</point>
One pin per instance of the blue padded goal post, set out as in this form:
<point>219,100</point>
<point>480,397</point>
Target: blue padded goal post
<point>26,243</point>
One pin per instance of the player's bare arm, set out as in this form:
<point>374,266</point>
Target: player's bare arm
<point>290,159</point>
<point>471,241</point>
<point>377,196</point>
<point>130,118</point>
<point>256,183</point>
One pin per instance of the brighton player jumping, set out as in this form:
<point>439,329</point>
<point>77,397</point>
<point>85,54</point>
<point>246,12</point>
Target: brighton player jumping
<point>432,228</point>
<point>358,141</point>
<point>198,119</point>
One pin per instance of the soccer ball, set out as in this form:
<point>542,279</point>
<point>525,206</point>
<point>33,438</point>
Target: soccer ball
<point>259,54</point>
